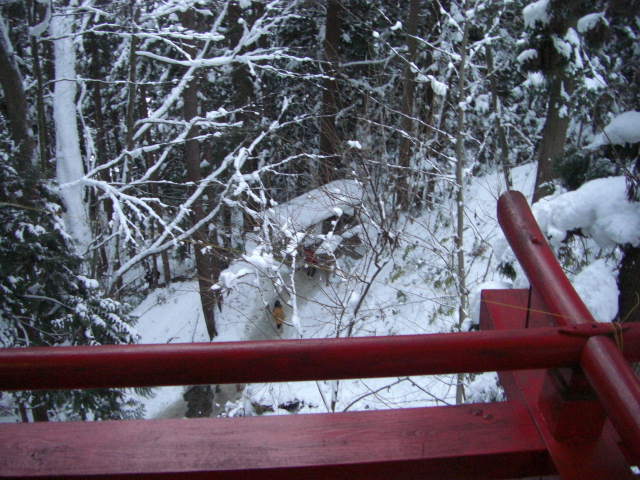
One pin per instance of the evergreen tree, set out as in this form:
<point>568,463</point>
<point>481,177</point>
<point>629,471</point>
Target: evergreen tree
<point>46,301</point>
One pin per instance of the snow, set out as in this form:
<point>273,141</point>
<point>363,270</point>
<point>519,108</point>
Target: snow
<point>590,21</point>
<point>439,88</point>
<point>69,163</point>
<point>562,47</point>
<point>89,283</point>
<point>536,12</point>
<point>599,208</point>
<point>534,79</point>
<point>329,244</point>
<point>597,288</point>
<point>527,55</point>
<point>316,206</point>
<point>354,144</point>
<point>171,315</point>
<point>623,129</point>
<point>405,298</point>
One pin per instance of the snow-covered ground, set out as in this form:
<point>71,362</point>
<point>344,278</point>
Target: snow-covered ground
<point>413,293</point>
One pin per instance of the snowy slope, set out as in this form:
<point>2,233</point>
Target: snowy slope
<point>413,293</point>
<point>410,295</point>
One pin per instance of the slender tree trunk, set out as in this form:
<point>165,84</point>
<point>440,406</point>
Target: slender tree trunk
<point>151,158</point>
<point>101,136</point>
<point>502,138</point>
<point>22,410</point>
<point>462,288</point>
<point>329,138</point>
<point>405,189</point>
<point>32,7</point>
<point>131,101</point>
<point>69,163</point>
<point>244,95</point>
<point>192,147</point>
<point>101,146</point>
<point>40,414</point>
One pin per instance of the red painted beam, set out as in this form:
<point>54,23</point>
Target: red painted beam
<point>617,388</point>
<point>498,440</point>
<point>610,375</point>
<point>292,360</point>
<point>538,261</point>
<point>599,458</point>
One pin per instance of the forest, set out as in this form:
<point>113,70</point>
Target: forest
<point>332,154</point>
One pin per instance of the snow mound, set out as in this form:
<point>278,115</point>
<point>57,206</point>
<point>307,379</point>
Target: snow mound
<point>600,208</point>
<point>623,129</point>
<point>317,205</point>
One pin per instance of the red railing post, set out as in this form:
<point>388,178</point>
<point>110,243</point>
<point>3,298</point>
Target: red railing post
<point>616,385</point>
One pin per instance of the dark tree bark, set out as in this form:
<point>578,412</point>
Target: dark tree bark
<point>192,158</point>
<point>629,285</point>
<point>329,138</point>
<point>502,138</point>
<point>244,95</point>
<point>101,139</point>
<point>17,112</point>
<point>150,160</point>
<point>32,8</point>
<point>554,135</point>
<point>565,15</point>
<point>405,193</point>
<point>131,101</point>
<point>100,263</point>
<point>40,413</point>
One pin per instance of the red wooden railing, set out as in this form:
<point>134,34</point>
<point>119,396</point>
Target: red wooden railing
<point>551,424</point>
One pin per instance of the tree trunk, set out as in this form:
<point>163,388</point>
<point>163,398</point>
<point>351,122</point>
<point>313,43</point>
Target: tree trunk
<point>151,158</point>
<point>462,288</point>
<point>554,135</point>
<point>69,163</point>
<point>244,96</point>
<point>405,190</point>
<point>32,8</point>
<point>40,413</point>
<point>502,138</point>
<point>629,285</point>
<point>101,147</point>
<point>192,147</point>
<point>329,139</point>
<point>16,109</point>
<point>131,101</point>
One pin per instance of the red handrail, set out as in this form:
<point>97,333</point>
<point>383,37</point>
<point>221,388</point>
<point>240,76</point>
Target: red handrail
<point>293,360</point>
<point>610,375</point>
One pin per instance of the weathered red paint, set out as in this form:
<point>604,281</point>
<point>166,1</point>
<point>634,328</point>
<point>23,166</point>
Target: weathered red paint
<point>610,375</point>
<point>575,458</point>
<point>292,360</point>
<point>617,387</point>
<point>468,441</point>
<point>518,438</point>
<point>538,261</point>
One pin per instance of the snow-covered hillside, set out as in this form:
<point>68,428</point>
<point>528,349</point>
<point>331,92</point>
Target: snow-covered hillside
<point>412,293</point>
